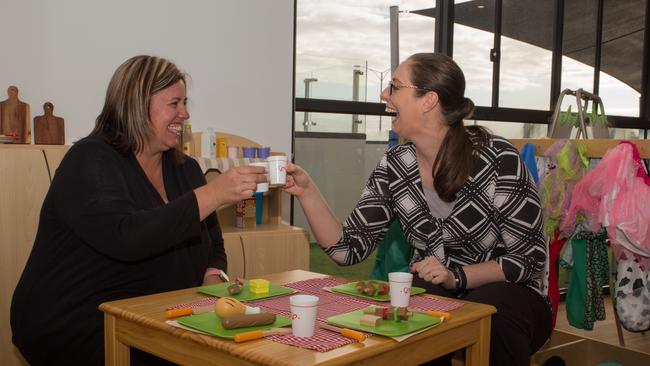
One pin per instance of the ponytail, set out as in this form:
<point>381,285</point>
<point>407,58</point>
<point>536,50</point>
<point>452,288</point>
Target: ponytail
<point>459,149</point>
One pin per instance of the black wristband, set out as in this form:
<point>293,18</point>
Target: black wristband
<point>463,279</point>
<point>456,278</point>
<point>460,279</point>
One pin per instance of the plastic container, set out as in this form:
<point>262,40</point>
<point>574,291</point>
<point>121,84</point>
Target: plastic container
<point>222,147</point>
<point>248,152</point>
<point>233,152</point>
<point>263,152</point>
<point>208,144</point>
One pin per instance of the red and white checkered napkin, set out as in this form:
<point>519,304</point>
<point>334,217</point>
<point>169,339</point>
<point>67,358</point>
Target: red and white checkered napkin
<point>428,302</point>
<point>329,304</point>
<point>322,340</point>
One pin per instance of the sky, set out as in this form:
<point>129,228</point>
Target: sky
<point>335,37</point>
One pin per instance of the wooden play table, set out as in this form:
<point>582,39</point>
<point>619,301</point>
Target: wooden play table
<point>140,322</point>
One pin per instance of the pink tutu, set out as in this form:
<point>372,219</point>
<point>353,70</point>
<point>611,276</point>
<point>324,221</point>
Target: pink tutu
<point>612,195</point>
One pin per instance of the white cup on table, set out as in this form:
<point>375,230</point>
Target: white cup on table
<point>304,309</point>
<point>277,169</point>
<point>400,288</point>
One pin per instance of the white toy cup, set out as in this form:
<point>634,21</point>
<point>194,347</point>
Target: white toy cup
<point>304,309</point>
<point>277,169</point>
<point>400,288</point>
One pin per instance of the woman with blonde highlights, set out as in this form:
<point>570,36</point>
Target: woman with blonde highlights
<point>126,215</point>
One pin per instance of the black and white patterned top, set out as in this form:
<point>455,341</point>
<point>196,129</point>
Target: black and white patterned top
<point>496,215</point>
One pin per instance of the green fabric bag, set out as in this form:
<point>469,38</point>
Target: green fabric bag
<point>393,254</point>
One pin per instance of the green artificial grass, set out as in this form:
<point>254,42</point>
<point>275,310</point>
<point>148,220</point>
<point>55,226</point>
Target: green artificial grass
<point>321,263</point>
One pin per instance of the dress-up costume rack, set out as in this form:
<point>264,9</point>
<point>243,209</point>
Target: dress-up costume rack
<point>602,202</point>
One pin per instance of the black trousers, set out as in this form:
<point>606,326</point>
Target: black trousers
<point>520,327</point>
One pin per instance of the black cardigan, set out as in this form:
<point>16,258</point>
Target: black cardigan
<point>106,234</point>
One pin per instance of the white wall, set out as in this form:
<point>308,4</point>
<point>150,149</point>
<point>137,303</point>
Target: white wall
<point>238,53</point>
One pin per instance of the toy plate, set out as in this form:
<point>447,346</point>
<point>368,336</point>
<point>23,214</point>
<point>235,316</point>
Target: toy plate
<point>389,328</point>
<point>350,288</point>
<point>221,290</point>
<point>211,323</point>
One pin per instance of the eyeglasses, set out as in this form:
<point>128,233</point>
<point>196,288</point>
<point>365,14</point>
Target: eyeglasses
<point>392,87</point>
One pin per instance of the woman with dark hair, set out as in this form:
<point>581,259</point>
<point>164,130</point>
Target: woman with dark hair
<point>464,201</point>
<point>126,215</point>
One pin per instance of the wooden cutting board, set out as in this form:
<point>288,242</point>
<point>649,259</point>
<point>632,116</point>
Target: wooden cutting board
<point>14,117</point>
<point>49,129</point>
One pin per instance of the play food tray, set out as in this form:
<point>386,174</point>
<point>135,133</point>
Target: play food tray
<point>350,288</point>
<point>210,323</point>
<point>388,328</point>
<point>221,290</point>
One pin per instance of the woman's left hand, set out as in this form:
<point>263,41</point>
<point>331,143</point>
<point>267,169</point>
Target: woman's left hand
<point>212,280</point>
<point>431,270</point>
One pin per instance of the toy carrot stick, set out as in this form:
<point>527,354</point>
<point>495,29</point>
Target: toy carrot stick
<point>349,333</point>
<point>439,314</point>
<point>257,334</point>
<point>175,313</point>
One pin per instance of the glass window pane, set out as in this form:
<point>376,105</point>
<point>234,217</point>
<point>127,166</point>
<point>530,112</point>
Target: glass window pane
<point>576,75</point>
<point>473,40</point>
<point>375,127</point>
<point>579,45</point>
<point>333,38</point>
<point>527,34</point>
<point>622,56</point>
<point>619,99</point>
<point>416,32</point>
<point>627,134</point>
<point>340,165</point>
<point>326,122</point>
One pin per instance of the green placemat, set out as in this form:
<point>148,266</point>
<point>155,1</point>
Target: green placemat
<point>210,323</point>
<point>389,328</point>
<point>221,290</point>
<point>351,289</point>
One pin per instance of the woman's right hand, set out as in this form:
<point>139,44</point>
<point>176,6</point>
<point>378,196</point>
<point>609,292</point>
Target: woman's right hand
<point>298,180</point>
<point>237,183</point>
<point>234,185</point>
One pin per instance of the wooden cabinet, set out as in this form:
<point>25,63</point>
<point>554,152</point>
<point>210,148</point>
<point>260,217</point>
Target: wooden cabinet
<point>268,249</point>
<point>25,175</point>
<point>275,251</point>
